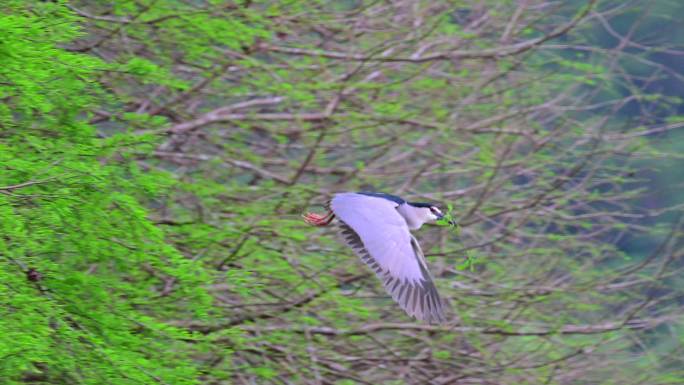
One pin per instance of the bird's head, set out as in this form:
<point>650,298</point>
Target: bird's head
<point>428,212</point>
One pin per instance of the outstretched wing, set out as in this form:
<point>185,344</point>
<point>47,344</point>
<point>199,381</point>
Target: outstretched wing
<point>374,229</point>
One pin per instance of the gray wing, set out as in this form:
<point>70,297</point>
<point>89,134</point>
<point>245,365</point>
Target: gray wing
<point>374,229</point>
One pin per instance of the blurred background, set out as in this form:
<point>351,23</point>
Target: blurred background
<point>156,157</point>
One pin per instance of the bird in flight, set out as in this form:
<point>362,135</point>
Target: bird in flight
<point>376,226</point>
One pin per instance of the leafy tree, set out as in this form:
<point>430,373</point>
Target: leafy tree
<point>83,267</point>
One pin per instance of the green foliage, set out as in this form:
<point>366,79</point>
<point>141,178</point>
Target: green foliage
<point>73,212</point>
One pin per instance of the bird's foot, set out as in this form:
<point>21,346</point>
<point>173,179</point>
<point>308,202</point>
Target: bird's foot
<point>317,219</point>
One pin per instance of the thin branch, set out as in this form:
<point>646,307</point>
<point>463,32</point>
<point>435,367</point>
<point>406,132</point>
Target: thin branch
<point>490,53</point>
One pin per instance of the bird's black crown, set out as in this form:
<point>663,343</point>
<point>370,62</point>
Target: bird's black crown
<point>422,204</point>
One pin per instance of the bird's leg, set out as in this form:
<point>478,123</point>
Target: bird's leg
<point>317,219</point>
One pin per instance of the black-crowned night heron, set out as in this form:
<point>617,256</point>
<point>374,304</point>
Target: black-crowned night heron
<point>376,226</point>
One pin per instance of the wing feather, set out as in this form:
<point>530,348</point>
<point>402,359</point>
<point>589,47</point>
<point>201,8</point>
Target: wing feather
<point>378,234</point>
